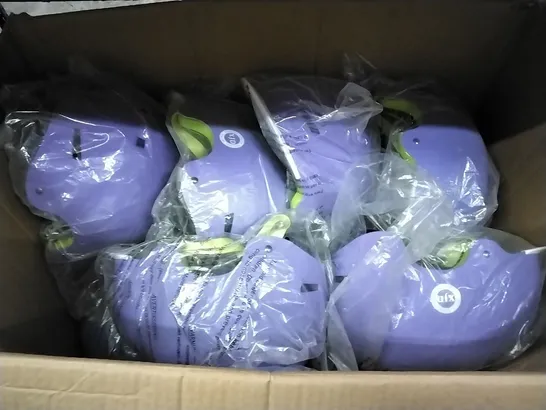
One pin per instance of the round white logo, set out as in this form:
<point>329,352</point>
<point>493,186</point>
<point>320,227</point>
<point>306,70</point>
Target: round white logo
<point>232,139</point>
<point>446,298</point>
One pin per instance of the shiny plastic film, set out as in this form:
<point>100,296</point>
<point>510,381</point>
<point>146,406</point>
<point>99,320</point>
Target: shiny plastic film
<point>88,158</point>
<point>388,193</point>
<point>364,273</point>
<point>426,126</point>
<point>251,301</point>
<point>318,127</point>
<point>414,216</point>
<point>473,303</point>
<point>98,332</point>
<point>227,178</point>
<point>427,287</point>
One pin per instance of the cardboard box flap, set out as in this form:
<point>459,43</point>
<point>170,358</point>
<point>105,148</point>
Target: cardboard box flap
<point>30,383</point>
<point>516,99</point>
<point>515,115</point>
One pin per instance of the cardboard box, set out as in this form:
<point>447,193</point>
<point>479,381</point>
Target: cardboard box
<point>492,52</point>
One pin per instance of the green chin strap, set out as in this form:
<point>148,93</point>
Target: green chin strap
<point>216,246</point>
<point>404,106</point>
<point>58,237</point>
<point>401,109</point>
<point>453,254</point>
<point>275,226</point>
<point>396,141</point>
<point>61,243</point>
<point>199,254</point>
<point>296,199</point>
<point>194,134</point>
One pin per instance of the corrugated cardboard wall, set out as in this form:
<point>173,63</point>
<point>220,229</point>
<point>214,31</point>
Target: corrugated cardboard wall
<point>35,383</point>
<point>516,113</point>
<point>32,316</point>
<point>164,45</point>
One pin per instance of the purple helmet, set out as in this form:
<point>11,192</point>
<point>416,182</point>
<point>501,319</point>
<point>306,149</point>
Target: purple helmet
<point>93,164</point>
<point>231,179</point>
<point>463,310</point>
<point>319,128</point>
<point>219,302</point>
<point>438,137</point>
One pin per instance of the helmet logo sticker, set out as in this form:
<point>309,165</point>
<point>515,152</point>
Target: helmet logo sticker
<point>446,298</point>
<point>232,139</point>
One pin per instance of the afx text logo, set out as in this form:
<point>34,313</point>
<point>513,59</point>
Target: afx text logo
<point>446,298</point>
<point>232,139</point>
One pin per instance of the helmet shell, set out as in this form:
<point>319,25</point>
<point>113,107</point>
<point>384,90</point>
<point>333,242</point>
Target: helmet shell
<point>317,131</point>
<point>232,179</point>
<point>267,310</point>
<point>98,163</point>
<point>444,142</point>
<point>463,318</point>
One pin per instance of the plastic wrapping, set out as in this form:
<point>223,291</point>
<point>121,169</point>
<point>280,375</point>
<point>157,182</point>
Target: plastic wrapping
<point>99,334</point>
<point>388,193</point>
<point>473,303</point>
<point>433,185</point>
<point>89,158</point>
<point>318,127</point>
<point>227,178</point>
<point>427,127</point>
<point>254,301</point>
<point>87,305</point>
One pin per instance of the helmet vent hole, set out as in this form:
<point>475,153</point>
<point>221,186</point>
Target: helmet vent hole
<point>228,223</point>
<point>39,191</point>
<point>141,142</point>
<point>309,287</point>
<point>39,128</point>
<point>77,144</point>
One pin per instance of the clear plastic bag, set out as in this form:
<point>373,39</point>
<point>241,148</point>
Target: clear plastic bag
<point>251,301</point>
<point>318,127</point>
<point>74,278</point>
<point>227,179</point>
<point>432,290</point>
<point>471,304</point>
<point>90,158</point>
<point>99,336</point>
<point>388,193</point>
<point>427,127</point>
<point>101,340</point>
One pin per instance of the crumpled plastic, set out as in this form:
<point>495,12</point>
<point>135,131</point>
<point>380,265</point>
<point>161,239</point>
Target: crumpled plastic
<point>251,301</point>
<point>474,303</point>
<point>88,155</point>
<point>318,127</point>
<point>227,178</point>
